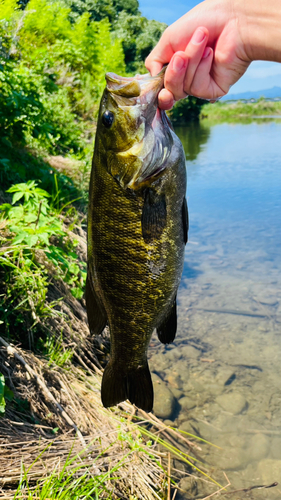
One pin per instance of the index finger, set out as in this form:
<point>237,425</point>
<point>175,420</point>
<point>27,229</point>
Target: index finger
<point>160,55</point>
<point>154,67</point>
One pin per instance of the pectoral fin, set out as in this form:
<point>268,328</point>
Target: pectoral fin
<point>97,318</point>
<point>185,221</point>
<point>154,215</point>
<point>167,330</point>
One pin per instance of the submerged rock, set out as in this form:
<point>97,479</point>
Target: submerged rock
<point>225,376</point>
<point>270,470</point>
<point>259,446</point>
<point>164,400</point>
<point>187,403</point>
<point>275,449</point>
<point>233,402</point>
<point>176,392</point>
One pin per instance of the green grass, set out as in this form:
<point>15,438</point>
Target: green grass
<point>77,479</point>
<point>240,111</point>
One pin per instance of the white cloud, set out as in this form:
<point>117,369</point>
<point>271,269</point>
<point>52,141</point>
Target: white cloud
<point>260,69</point>
<point>260,75</point>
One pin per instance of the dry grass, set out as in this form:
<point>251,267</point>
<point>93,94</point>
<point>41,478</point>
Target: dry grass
<point>109,440</point>
<point>56,423</point>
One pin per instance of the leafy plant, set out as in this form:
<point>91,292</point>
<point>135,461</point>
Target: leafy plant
<point>5,393</point>
<point>34,225</point>
<point>37,249</point>
<point>56,352</point>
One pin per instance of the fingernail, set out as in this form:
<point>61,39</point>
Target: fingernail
<point>178,63</point>
<point>198,36</point>
<point>206,52</point>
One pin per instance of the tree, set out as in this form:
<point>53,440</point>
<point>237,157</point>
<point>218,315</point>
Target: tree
<point>139,35</point>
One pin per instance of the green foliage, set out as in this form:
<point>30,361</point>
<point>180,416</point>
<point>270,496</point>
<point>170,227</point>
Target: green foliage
<point>139,35</point>
<point>52,74</point>
<point>36,244</point>
<point>56,352</point>
<point>186,110</point>
<point>2,394</point>
<point>101,9</point>
<point>240,110</point>
<point>5,394</point>
<point>31,221</point>
<point>34,224</point>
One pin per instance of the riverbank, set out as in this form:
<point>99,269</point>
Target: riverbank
<point>55,435</point>
<point>241,111</point>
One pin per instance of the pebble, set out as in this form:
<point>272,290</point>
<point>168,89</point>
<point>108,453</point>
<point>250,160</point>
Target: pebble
<point>230,459</point>
<point>169,423</point>
<point>188,484</point>
<point>189,352</point>
<point>174,380</point>
<point>187,403</point>
<point>275,449</point>
<point>159,362</point>
<point>196,385</point>
<point>268,300</point>
<point>224,375</point>
<point>186,426</point>
<point>182,368</point>
<point>164,400</point>
<point>270,470</point>
<point>208,432</point>
<point>176,392</point>
<point>214,389</point>
<point>258,446</point>
<point>232,402</point>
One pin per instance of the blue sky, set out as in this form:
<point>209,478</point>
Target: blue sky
<point>260,75</point>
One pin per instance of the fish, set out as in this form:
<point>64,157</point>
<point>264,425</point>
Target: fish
<point>137,232</point>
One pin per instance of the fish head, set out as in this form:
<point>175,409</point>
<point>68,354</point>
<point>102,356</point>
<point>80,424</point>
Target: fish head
<point>136,135</point>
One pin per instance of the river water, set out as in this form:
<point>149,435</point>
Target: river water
<point>224,368</point>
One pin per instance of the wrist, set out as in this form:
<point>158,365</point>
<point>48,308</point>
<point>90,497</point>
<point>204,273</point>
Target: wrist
<point>260,28</point>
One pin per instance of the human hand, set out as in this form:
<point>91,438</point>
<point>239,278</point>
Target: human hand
<point>205,51</point>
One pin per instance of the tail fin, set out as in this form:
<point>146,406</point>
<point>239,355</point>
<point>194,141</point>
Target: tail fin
<point>118,386</point>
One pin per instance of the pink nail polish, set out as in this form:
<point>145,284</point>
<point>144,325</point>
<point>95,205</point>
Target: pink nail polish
<point>206,53</point>
<point>178,63</point>
<point>198,36</point>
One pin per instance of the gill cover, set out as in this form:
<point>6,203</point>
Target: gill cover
<point>135,133</point>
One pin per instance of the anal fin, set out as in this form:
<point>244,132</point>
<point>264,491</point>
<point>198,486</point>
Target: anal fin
<point>97,317</point>
<point>135,385</point>
<point>167,330</point>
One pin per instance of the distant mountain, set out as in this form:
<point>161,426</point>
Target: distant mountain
<point>269,93</point>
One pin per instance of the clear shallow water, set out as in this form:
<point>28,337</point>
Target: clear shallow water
<point>225,366</point>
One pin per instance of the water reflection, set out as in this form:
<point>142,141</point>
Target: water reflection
<point>224,367</point>
<point>193,138</point>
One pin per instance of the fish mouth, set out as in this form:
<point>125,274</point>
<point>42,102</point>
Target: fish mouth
<point>139,90</point>
<point>154,148</point>
<point>135,86</point>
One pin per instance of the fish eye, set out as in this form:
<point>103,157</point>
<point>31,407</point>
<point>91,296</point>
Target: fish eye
<point>107,119</point>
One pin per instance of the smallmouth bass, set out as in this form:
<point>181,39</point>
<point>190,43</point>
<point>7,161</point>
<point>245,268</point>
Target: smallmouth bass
<point>137,231</point>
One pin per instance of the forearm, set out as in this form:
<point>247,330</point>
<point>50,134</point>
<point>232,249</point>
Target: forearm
<point>260,28</point>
